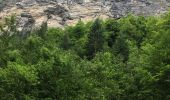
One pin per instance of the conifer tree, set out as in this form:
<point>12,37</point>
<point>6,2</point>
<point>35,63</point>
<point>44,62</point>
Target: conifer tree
<point>95,38</point>
<point>65,43</point>
<point>43,29</point>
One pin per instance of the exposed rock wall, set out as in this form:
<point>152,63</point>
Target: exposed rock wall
<point>4,3</point>
<point>138,7</point>
<point>58,13</point>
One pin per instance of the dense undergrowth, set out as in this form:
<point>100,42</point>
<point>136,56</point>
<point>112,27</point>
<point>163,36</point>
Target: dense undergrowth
<point>125,59</point>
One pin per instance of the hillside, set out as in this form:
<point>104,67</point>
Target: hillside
<point>59,13</point>
<point>53,51</point>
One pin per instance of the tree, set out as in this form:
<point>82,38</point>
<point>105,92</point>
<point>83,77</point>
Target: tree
<point>121,48</point>
<point>112,28</point>
<point>17,81</point>
<point>134,28</point>
<point>8,32</point>
<point>65,43</point>
<point>43,30</point>
<point>78,30</point>
<point>95,38</point>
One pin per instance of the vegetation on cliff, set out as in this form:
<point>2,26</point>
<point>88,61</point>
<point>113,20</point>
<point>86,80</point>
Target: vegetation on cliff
<point>124,59</point>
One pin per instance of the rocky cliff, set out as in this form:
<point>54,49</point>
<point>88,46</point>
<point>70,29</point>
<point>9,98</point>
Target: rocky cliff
<point>59,13</point>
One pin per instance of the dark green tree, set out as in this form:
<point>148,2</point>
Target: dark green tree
<point>65,42</point>
<point>95,38</point>
<point>79,30</point>
<point>121,48</point>
<point>112,28</point>
<point>43,30</point>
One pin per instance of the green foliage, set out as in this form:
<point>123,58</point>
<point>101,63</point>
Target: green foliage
<point>66,43</point>
<point>95,39</point>
<point>134,28</point>
<point>78,30</point>
<point>42,31</point>
<point>124,59</point>
<point>17,81</point>
<point>112,26</point>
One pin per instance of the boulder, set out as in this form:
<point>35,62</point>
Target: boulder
<point>25,3</point>
<point>58,10</point>
<point>25,14</point>
<point>25,23</point>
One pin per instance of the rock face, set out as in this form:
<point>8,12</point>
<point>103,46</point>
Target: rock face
<point>59,13</point>
<point>25,3</point>
<point>4,3</point>
<point>25,23</point>
<point>138,7</point>
<point>58,10</point>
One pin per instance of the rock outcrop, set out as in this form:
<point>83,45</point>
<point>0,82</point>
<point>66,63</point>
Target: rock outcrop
<point>25,23</point>
<point>59,13</point>
<point>138,7</point>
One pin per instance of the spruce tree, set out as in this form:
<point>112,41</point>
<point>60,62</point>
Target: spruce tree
<point>43,30</point>
<point>66,42</point>
<point>95,39</point>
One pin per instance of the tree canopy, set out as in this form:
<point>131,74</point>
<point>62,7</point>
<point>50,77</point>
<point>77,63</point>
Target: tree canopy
<point>113,59</point>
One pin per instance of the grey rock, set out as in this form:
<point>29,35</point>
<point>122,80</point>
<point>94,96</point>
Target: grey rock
<point>20,5</point>
<point>58,10</point>
<point>25,14</point>
<point>25,3</point>
<point>62,11</point>
<point>140,7</point>
<point>25,23</point>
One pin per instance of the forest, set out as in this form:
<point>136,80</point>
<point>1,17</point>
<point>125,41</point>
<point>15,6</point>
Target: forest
<point>113,59</point>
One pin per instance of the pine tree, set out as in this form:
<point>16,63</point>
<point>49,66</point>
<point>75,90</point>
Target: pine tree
<point>43,29</point>
<point>65,43</point>
<point>95,39</point>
